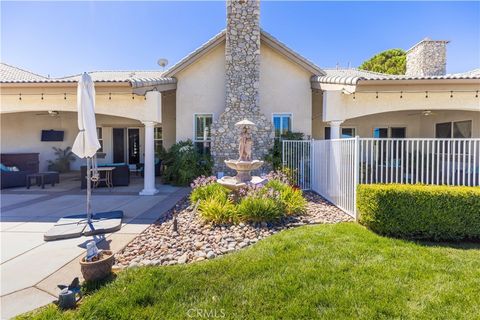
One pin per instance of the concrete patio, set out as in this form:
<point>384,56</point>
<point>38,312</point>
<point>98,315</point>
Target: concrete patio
<point>31,268</point>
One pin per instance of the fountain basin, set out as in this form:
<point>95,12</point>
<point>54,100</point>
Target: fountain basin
<point>243,168</point>
<point>233,184</point>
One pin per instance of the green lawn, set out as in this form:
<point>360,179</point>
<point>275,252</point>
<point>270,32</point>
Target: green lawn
<point>338,271</point>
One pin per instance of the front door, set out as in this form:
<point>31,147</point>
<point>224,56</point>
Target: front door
<point>118,145</point>
<point>133,145</point>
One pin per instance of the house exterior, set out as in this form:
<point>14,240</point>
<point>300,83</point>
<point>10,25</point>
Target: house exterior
<point>242,72</point>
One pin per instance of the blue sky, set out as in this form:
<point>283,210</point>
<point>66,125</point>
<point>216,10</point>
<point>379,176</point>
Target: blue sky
<point>61,38</point>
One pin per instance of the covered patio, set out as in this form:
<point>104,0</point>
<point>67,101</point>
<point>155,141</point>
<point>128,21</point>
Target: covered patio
<point>135,117</point>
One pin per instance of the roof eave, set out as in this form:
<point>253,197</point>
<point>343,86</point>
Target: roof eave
<point>418,81</point>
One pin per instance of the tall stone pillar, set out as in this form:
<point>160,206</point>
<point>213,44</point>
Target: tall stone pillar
<point>242,55</point>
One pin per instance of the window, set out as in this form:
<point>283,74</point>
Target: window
<point>100,138</point>
<point>455,129</point>
<point>348,132</point>
<point>158,140</point>
<point>202,138</point>
<point>345,133</point>
<point>394,132</point>
<point>380,133</point>
<point>282,124</point>
<point>398,132</point>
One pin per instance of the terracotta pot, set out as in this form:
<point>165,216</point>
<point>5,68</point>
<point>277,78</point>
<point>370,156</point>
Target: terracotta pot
<point>97,270</point>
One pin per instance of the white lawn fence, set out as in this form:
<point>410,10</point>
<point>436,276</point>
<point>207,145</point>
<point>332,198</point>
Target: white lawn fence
<point>334,168</point>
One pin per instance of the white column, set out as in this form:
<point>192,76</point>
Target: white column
<point>149,167</point>
<point>335,131</point>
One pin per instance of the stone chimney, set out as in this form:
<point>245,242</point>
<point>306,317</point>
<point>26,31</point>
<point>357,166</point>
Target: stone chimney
<point>427,58</point>
<point>242,79</point>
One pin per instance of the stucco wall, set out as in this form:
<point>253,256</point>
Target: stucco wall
<point>21,132</point>
<point>317,111</point>
<point>200,89</point>
<point>168,118</point>
<point>120,103</point>
<point>341,106</point>
<point>285,88</point>
<point>418,125</point>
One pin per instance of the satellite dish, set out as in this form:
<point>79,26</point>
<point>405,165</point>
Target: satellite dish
<point>162,62</point>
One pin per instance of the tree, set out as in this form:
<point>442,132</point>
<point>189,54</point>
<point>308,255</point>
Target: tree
<point>391,61</point>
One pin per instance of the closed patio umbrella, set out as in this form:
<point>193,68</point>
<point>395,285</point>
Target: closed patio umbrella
<point>86,143</point>
<point>85,146</point>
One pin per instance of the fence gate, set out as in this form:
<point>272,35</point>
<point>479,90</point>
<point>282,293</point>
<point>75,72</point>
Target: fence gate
<point>335,172</point>
<point>333,168</point>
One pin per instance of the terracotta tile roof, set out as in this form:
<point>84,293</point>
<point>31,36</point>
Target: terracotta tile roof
<point>12,74</point>
<point>136,79</point>
<point>352,76</point>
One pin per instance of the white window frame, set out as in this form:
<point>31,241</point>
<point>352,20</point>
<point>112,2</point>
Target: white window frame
<point>100,140</point>
<point>195,140</point>
<point>389,130</point>
<point>280,114</point>
<point>451,127</point>
<point>155,139</point>
<point>341,128</point>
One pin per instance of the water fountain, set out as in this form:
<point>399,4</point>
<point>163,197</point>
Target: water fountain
<point>244,165</point>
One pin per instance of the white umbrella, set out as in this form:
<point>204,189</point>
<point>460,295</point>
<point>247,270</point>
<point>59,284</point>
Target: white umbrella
<point>86,143</point>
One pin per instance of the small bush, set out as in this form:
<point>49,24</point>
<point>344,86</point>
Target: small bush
<point>291,198</point>
<point>256,209</point>
<point>208,191</point>
<point>274,156</point>
<point>421,212</point>
<point>183,164</point>
<point>218,209</point>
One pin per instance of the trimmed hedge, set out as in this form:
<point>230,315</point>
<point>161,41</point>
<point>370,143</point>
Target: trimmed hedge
<point>420,211</point>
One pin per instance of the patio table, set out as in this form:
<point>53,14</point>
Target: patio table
<point>107,177</point>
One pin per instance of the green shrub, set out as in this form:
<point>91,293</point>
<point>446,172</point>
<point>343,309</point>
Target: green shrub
<point>183,164</point>
<point>218,209</point>
<point>208,191</point>
<point>274,156</point>
<point>292,198</point>
<point>62,162</point>
<point>420,212</point>
<point>256,209</point>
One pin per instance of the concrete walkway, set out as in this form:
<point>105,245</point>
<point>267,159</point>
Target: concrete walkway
<point>31,268</point>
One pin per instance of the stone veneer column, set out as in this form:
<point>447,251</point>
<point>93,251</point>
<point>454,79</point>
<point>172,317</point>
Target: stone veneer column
<point>242,54</point>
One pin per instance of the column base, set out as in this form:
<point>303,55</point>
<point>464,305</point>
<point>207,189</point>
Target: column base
<point>148,192</point>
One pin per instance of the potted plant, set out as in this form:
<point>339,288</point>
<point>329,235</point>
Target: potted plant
<point>97,264</point>
<point>62,162</point>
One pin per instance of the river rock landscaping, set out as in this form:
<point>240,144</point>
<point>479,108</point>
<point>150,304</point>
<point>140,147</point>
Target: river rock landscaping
<point>181,236</point>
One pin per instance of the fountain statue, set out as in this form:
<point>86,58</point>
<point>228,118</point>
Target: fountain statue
<point>244,165</point>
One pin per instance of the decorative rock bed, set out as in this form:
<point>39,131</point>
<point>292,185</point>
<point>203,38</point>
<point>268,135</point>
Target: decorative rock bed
<point>196,240</point>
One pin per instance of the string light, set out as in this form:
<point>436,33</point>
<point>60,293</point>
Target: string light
<point>476,94</point>
<point>133,96</point>
<point>401,94</point>
<point>65,96</point>
<point>426,94</point>
<point>110,96</point>
<point>451,94</point>
<point>354,96</point>
<point>19,96</point>
<point>42,96</point>
<point>376,94</point>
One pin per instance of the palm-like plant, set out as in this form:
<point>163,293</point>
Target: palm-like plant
<point>62,162</point>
